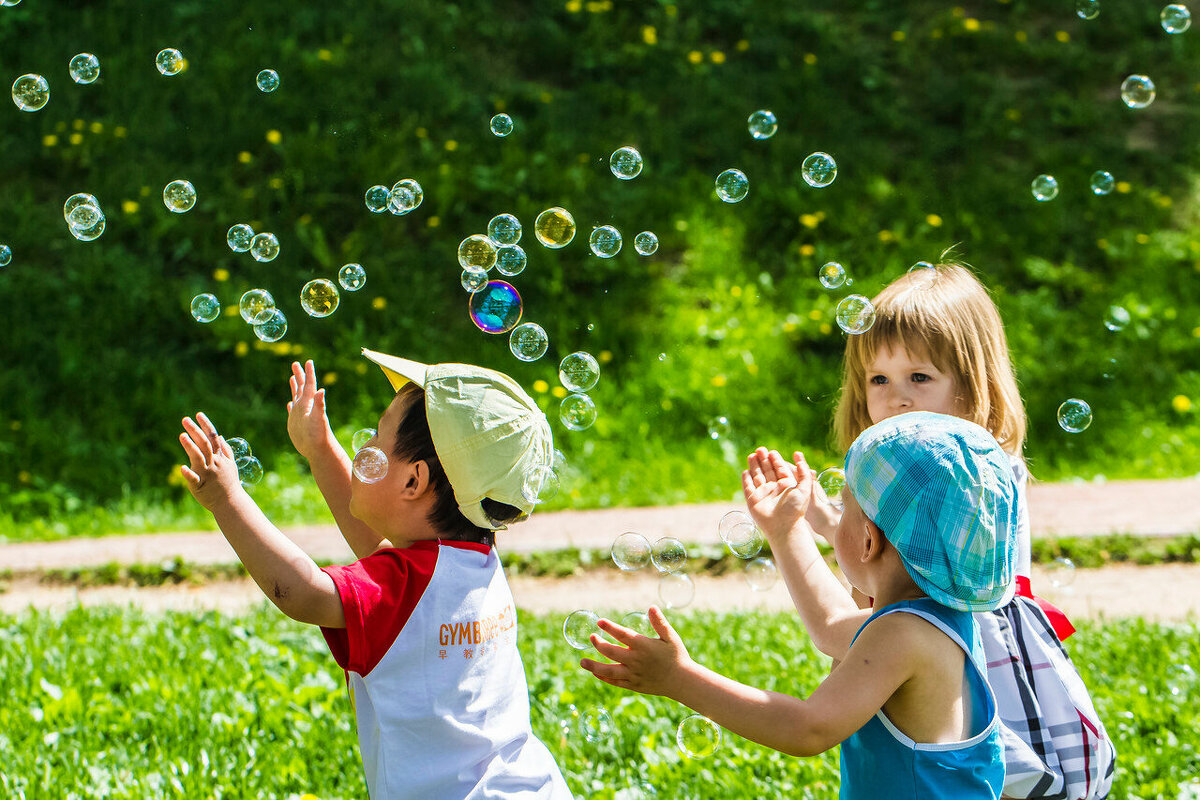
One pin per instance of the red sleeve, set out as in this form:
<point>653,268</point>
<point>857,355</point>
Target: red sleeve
<point>378,595</point>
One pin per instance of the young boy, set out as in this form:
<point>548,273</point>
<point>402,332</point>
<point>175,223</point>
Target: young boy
<point>927,532</point>
<point>424,623</point>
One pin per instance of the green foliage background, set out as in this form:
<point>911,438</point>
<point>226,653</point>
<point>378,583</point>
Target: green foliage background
<point>939,117</point>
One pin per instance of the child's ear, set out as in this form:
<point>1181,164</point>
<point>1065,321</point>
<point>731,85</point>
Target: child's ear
<point>417,481</point>
<point>874,542</point>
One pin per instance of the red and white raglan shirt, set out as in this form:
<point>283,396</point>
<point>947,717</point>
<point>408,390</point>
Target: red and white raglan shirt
<point>435,678</point>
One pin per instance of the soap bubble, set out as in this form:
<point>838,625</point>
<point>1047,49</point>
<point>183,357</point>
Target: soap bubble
<point>541,484</point>
<point>626,163</point>
<point>762,124</point>
<point>84,216</point>
<point>595,725</point>
<point>579,372</point>
<point>250,471</point>
<point>832,481</point>
<point>719,428</point>
<point>477,251</point>
<point>501,125</point>
<point>473,279</point>
<point>240,447</point>
<point>639,622</point>
<point>1175,18</point>
<point>76,200</point>
<point>819,170</point>
<point>577,412</point>
<point>31,92</point>
<point>510,259</point>
<point>676,590</point>
<point>645,243</point>
<point>84,68</point>
<point>376,198</point>
<point>1074,415</point>
<point>256,306</point>
<point>739,533</point>
<point>1116,318</point>
<point>179,196</point>
<point>264,247</point>
<point>1137,91</point>
<point>554,228</point>
<point>605,241</point>
<point>319,297</point>
<point>579,627</point>
<point>352,277</point>
<point>1044,188</point>
<point>360,438</point>
<point>832,275</point>
<point>1061,572</point>
<point>1102,182</point>
<point>631,551</point>
<point>733,186</point>
<point>761,574</point>
<point>267,80</point>
<point>205,307</point>
<point>855,314</point>
<point>273,329</point>
<point>1087,9</point>
<point>239,237</point>
<point>668,554</point>
<point>89,234</point>
<point>698,736</point>
<point>169,61</point>
<point>528,341</point>
<point>5,255</point>
<point>496,308</point>
<point>923,265</point>
<point>405,196</point>
<point>370,465</point>
<point>504,229</point>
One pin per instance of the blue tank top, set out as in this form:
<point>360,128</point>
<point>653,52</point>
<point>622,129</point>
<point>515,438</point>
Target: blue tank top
<point>880,761</point>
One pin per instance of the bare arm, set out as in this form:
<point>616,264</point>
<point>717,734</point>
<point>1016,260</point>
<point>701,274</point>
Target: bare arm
<point>777,496</point>
<point>308,426</point>
<point>286,574</point>
<point>876,666</point>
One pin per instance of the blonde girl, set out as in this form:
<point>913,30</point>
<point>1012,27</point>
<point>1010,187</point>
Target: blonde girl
<point>938,344</point>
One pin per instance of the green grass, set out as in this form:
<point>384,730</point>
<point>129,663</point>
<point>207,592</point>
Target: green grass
<point>118,703</point>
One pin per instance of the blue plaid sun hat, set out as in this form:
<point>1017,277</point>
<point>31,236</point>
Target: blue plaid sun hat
<point>942,491</point>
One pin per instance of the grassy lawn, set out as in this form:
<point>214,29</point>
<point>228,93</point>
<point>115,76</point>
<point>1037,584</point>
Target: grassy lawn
<point>117,703</point>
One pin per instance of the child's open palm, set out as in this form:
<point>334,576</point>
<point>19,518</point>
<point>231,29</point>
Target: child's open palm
<point>211,474</point>
<point>307,424</point>
<point>778,494</point>
<point>644,664</point>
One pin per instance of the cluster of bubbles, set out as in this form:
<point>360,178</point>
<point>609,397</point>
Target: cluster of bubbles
<point>370,465</point>
<point>406,195</point>
<point>267,81</point>
<point>179,196</point>
<point>501,125</point>
<point>250,471</point>
<point>631,551</point>
<point>257,308</point>
<point>1074,415</point>
<point>85,219</point>
<point>579,373</point>
<point>241,238</point>
<point>745,540</point>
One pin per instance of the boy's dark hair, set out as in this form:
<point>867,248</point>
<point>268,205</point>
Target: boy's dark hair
<point>414,442</point>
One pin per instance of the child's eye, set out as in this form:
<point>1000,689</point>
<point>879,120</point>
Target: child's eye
<point>920,377</point>
<point>878,380</point>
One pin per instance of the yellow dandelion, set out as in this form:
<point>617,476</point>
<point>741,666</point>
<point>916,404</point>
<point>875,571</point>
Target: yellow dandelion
<point>1142,238</point>
<point>1181,403</point>
<point>96,127</point>
<point>933,220</point>
<point>361,369</point>
<point>574,6</point>
<point>274,136</point>
<point>1162,201</point>
<point>605,356</point>
<point>825,328</point>
<point>899,36</point>
<point>743,45</point>
<point>499,105</point>
<point>695,57</point>
<point>809,220</point>
<point>329,378</point>
<point>49,140</point>
<point>1062,36</point>
<point>24,477</point>
<point>75,138</point>
<point>1012,115</point>
<point>717,57</point>
<point>540,386</point>
<point>421,133</point>
<point>958,11</point>
<point>15,425</point>
<point>971,24</point>
<point>671,10</point>
<point>379,303</point>
<point>244,157</point>
<point>559,392</point>
<point>240,349</point>
<point>1021,36</point>
<point>77,124</point>
<point>814,314</point>
<point>120,132</point>
<point>545,97</point>
<point>220,274</point>
<point>130,206</point>
<point>306,219</point>
<point>1102,244</point>
<point>451,145</point>
<point>752,369</point>
<point>886,236</point>
<point>810,58</point>
<point>324,54</point>
<point>807,249</point>
<point>649,34</point>
<point>433,221</point>
<point>1124,187</point>
<point>718,380</point>
<point>667,405</point>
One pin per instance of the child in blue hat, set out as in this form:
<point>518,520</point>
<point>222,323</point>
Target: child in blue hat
<point>928,531</point>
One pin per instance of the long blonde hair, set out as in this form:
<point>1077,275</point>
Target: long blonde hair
<point>947,314</point>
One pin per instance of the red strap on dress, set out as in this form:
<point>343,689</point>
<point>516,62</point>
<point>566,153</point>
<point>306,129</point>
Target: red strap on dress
<point>1058,620</point>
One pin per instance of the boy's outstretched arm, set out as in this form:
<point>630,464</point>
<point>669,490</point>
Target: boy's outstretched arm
<point>309,429</point>
<point>876,666</point>
<point>284,572</point>
<point>778,495</point>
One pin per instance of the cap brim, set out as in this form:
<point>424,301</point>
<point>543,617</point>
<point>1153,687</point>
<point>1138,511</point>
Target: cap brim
<point>399,371</point>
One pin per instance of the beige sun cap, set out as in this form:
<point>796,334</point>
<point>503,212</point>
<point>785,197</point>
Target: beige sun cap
<point>488,433</point>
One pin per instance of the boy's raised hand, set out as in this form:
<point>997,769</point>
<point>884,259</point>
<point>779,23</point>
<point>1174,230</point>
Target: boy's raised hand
<point>645,665</point>
<point>778,494</point>
<point>212,476</point>
<point>307,424</point>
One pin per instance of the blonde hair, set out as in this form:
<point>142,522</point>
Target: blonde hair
<point>945,313</point>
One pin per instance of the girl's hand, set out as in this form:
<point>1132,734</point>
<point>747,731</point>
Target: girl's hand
<point>778,495</point>
<point>307,424</point>
<point>212,477</point>
<point>645,665</point>
<point>823,513</point>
